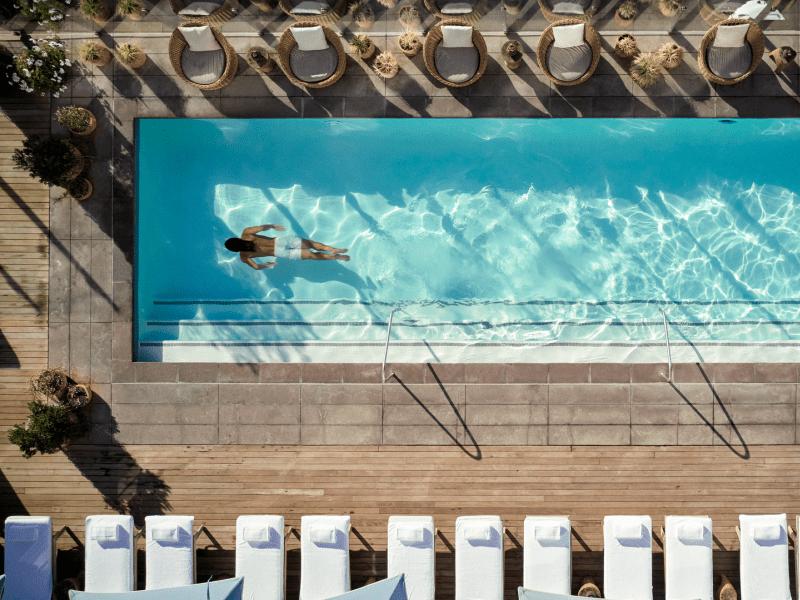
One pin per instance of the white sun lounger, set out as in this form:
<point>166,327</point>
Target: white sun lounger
<point>764,557</point>
<point>110,554</point>
<point>479,558</point>
<point>324,556</point>
<point>628,558</point>
<point>547,555</point>
<point>170,551</point>
<point>29,558</point>
<point>261,556</point>
<point>688,558</point>
<point>410,551</point>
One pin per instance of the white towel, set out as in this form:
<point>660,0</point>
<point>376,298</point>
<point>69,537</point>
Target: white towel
<point>410,551</point>
<point>260,557</point>
<point>324,566</point>
<point>628,558</point>
<point>29,558</point>
<point>109,554</point>
<point>170,563</point>
<point>479,562</point>
<point>547,555</point>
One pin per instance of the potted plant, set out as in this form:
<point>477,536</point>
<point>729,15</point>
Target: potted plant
<point>362,46</point>
<point>79,120</point>
<point>49,384</point>
<point>626,46</point>
<point>409,43</point>
<point>626,13</point>
<point>49,13</point>
<point>95,53</point>
<point>96,10</point>
<point>670,55</point>
<point>645,69</point>
<point>49,428</point>
<point>78,396</point>
<point>409,17</point>
<point>132,55</point>
<point>131,9</point>
<point>362,13</point>
<point>42,67</point>
<point>386,65</point>
<point>670,8</point>
<point>511,52</point>
<point>80,188</point>
<point>51,160</point>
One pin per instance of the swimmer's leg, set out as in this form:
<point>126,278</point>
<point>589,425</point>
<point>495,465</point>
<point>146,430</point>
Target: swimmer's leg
<point>309,255</point>
<point>321,247</point>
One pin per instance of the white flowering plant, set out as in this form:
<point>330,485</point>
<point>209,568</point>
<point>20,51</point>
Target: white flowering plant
<point>41,68</point>
<point>49,13</point>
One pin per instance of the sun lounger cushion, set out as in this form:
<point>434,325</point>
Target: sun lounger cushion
<point>569,64</point>
<point>199,9</point>
<point>29,558</point>
<point>170,551</point>
<point>729,63</point>
<point>689,569</point>
<point>324,567</point>
<point>456,65</point>
<point>410,551</point>
<point>260,556</point>
<point>456,8</point>
<point>628,558</point>
<point>547,559</point>
<point>109,554</point>
<point>313,66</point>
<point>763,563</point>
<point>310,7</point>
<point>479,561</point>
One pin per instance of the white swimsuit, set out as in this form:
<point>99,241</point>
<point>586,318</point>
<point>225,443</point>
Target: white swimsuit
<point>288,246</point>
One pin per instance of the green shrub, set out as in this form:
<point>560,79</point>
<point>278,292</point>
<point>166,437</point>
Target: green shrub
<point>42,68</point>
<point>49,13</point>
<point>49,428</point>
<point>48,159</point>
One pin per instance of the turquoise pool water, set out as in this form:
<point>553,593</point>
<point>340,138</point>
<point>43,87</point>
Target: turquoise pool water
<point>499,234</point>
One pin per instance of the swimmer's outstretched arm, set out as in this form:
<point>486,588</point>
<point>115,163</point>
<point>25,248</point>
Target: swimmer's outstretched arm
<point>257,228</point>
<point>250,262</point>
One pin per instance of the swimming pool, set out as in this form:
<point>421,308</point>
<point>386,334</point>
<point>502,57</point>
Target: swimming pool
<point>492,240</point>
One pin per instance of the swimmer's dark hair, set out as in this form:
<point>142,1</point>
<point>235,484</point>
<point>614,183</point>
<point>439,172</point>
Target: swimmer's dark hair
<point>239,245</point>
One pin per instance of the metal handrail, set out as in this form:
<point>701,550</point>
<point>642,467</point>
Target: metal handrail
<point>386,350</point>
<point>669,350</point>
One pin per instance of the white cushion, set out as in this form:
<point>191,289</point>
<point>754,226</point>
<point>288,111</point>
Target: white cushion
<point>165,533</point>
<point>767,532</point>
<point>567,8</point>
<point>691,531</point>
<point>310,38</point>
<point>731,36</point>
<point>455,36</point>
<point>410,534</point>
<point>547,533</point>
<point>21,533</point>
<point>568,36</point>
<point>105,533</point>
<point>478,532</point>
<point>256,534</point>
<point>200,39</point>
<point>628,529</point>
<point>198,9</point>
<point>323,534</point>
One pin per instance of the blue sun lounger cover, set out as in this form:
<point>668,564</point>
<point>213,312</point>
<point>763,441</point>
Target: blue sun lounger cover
<point>224,589</point>
<point>388,589</point>
<point>525,594</point>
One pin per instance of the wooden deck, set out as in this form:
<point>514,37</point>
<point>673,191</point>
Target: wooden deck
<point>24,225</point>
<point>216,484</point>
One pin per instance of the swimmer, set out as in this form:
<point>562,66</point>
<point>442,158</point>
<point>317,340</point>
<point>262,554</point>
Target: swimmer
<point>292,247</point>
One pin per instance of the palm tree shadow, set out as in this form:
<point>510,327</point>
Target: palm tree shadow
<point>745,454</point>
<point>476,454</point>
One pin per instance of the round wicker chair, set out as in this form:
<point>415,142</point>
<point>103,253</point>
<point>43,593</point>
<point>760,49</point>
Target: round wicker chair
<point>329,18</point>
<point>287,44</point>
<point>589,35</point>
<point>754,37</point>
<point>470,19</point>
<point>177,43</point>
<point>223,14</point>
<point>591,11</point>
<point>433,39</point>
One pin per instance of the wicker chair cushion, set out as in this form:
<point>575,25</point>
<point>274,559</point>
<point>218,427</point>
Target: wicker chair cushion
<point>456,7</point>
<point>557,6</point>
<point>199,9</point>
<point>203,67</point>
<point>731,36</point>
<point>315,65</point>
<point>568,8</point>
<point>310,38</point>
<point>200,39</point>
<point>456,65</point>
<point>310,7</point>
<point>569,64</point>
<point>729,63</point>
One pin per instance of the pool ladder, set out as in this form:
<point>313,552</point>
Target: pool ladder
<point>669,350</point>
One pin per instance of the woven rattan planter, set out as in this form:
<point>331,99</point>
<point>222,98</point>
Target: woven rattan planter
<point>80,188</point>
<point>434,38</point>
<point>90,127</point>
<point>140,61</point>
<point>754,37</point>
<point>618,50</point>
<point>287,44</point>
<point>177,44</point>
<point>589,35</point>
<point>412,52</point>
